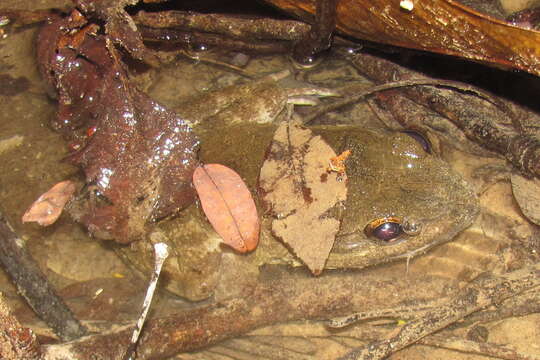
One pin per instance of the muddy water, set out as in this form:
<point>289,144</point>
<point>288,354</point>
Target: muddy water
<point>31,162</point>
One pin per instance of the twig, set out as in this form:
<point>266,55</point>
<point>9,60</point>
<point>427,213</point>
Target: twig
<point>372,331</point>
<point>232,26</point>
<point>299,298</point>
<point>524,304</point>
<point>519,305</point>
<point>319,37</point>
<point>400,84</point>
<point>161,252</point>
<point>226,66</point>
<point>293,298</point>
<point>477,295</point>
<point>33,285</point>
<point>27,17</point>
<point>178,38</point>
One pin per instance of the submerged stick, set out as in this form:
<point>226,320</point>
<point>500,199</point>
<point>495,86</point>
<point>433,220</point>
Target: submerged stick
<point>479,294</point>
<point>266,303</point>
<point>229,25</point>
<point>34,286</point>
<point>287,300</point>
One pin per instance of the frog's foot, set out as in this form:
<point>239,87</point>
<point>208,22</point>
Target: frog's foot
<point>309,95</point>
<point>264,100</point>
<point>260,101</point>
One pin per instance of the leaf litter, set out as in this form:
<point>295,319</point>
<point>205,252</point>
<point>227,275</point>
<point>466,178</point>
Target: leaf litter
<point>138,156</point>
<point>300,191</point>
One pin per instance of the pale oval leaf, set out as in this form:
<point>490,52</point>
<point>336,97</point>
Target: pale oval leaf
<point>228,205</point>
<point>48,207</point>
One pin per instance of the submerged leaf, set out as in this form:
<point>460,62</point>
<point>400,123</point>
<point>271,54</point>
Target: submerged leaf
<point>48,207</point>
<point>138,155</point>
<point>301,192</point>
<point>228,204</point>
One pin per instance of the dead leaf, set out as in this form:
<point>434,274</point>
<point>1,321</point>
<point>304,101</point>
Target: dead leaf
<point>137,154</point>
<point>440,26</point>
<point>48,207</point>
<point>527,194</point>
<point>300,192</point>
<point>228,204</point>
<point>119,26</point>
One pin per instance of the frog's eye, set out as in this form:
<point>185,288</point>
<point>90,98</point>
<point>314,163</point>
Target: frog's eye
<point>420,138</point>
<point>387,229</point>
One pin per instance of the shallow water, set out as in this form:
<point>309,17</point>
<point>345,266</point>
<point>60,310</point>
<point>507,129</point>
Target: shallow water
<point>31,162</point>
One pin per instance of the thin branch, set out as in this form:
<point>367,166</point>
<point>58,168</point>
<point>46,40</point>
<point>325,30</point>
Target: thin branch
<point>33,285</point>
<point>400,84</point>
<point>230,25</point>
<point>477,295</point>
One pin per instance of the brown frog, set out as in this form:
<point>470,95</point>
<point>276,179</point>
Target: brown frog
<point>401,199</point>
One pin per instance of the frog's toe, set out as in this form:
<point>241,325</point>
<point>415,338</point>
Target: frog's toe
<point>313,91</point>
<point>309,96</point>
<point>303,100</point>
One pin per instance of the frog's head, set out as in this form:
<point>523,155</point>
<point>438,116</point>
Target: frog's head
<point>402,200</point>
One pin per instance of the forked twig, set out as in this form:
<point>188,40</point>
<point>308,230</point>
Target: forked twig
<point>479,294</point>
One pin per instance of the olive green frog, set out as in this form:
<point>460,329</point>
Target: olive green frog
<point>402,200</point>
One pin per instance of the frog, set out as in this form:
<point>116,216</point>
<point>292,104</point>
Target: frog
<point>138,158</point>
<point>402,198</point>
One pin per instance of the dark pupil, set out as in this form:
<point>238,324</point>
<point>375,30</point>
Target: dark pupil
<point>387,231</point>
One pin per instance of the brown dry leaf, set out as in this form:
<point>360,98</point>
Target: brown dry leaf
<point>527,194</point>
<point>119,26</point>
<point>228,204</point>
<point>48,207</point>
<point>440,26</point>
<point>136,153</point>
<point>300,191</point>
